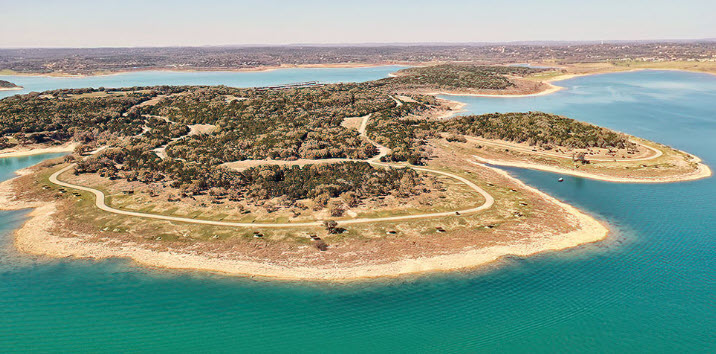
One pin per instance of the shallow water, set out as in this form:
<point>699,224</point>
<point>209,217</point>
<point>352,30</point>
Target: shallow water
<point>650,287</point>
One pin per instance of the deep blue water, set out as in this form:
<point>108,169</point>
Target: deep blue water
<point>651,287</point>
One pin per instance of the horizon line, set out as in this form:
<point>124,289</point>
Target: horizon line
<point>393,44</point>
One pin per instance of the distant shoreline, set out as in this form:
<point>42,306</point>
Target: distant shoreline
<point>228,70</point>
<point>549,82</point>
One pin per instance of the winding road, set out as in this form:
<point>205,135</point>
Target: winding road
<point>657,152</point>
<point>101,204</point>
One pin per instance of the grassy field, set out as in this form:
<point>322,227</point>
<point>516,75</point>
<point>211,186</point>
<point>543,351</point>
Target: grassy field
<point>453,195</point>
<point>672,163</point>
<point>78,213</point>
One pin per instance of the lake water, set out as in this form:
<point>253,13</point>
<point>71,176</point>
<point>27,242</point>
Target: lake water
<point>228,78</point>
<point>650,288</point>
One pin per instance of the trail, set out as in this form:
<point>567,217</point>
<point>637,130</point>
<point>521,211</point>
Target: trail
<point>657,153</point>
<point>100,203</point>
<point>489,200</point>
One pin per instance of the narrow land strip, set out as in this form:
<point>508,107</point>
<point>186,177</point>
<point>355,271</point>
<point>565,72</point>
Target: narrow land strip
<point>702,171</point>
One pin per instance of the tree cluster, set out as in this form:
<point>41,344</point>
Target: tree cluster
<point>536,128</point>
<point>460,76</point>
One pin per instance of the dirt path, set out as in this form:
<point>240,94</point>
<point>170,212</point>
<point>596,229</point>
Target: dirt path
<point>194,129</point>
<point>489,200</point>
<point>100,203</point>
<point>657,152</point>
<point>364,124</point>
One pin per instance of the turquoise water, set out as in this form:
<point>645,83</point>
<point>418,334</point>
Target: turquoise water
<point>650,288</point>
<point>228,78</point>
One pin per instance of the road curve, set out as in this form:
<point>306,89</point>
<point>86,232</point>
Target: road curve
<point>100,203</point>
<point>657,152</point>
<point>489,200</point>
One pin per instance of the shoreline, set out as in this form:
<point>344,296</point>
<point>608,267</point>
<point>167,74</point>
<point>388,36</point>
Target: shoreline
<point>17,88</point>
<point>227,70</point>
<point>631,70</point>
<point>36,237</point>
<point>551,87</point>
<point>703,171</point>
<point>37,151</point>
<point>549,90</point>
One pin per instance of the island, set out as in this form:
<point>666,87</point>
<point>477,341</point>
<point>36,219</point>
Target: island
<point>7,85</point>
<point>312,181</point>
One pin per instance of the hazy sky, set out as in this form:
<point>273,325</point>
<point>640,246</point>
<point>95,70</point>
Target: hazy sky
<point>84,23</point>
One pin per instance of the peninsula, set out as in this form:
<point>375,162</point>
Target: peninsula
<point>318,182</point>
<point>7,85</point>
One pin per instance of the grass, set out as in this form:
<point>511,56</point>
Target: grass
<point>671,163</point>
<point>459,197</point>
<point>468,230</point>
<point>83,216</point>
<point>85,212</point>
<point>545,75</point>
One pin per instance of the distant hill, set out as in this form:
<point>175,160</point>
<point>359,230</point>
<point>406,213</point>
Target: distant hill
<point>7,84</point>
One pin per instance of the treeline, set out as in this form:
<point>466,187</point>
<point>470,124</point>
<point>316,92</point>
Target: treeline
<point>406,134</point>
<point>279,124</point>
<point>36,113</point>
<point>320,182</point>
<point>460,76</point>
<point>331,180</point>
<point>7,84</point>
<point>536,128</point>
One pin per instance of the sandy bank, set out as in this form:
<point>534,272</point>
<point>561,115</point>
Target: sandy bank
<point>11,88</point>
<point>549,90</point>
<point>552,88</point>
<point>617,70</point>
<point>29,151</point>
<point>703,171</point>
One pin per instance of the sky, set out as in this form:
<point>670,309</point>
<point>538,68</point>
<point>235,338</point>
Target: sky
<point>130,23</point>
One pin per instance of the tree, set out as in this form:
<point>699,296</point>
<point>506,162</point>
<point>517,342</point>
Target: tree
<point>331,226</point>
<point>351,199</point>
<point>320,201</point>
<point>336,208</point>
<point>580,157</point>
